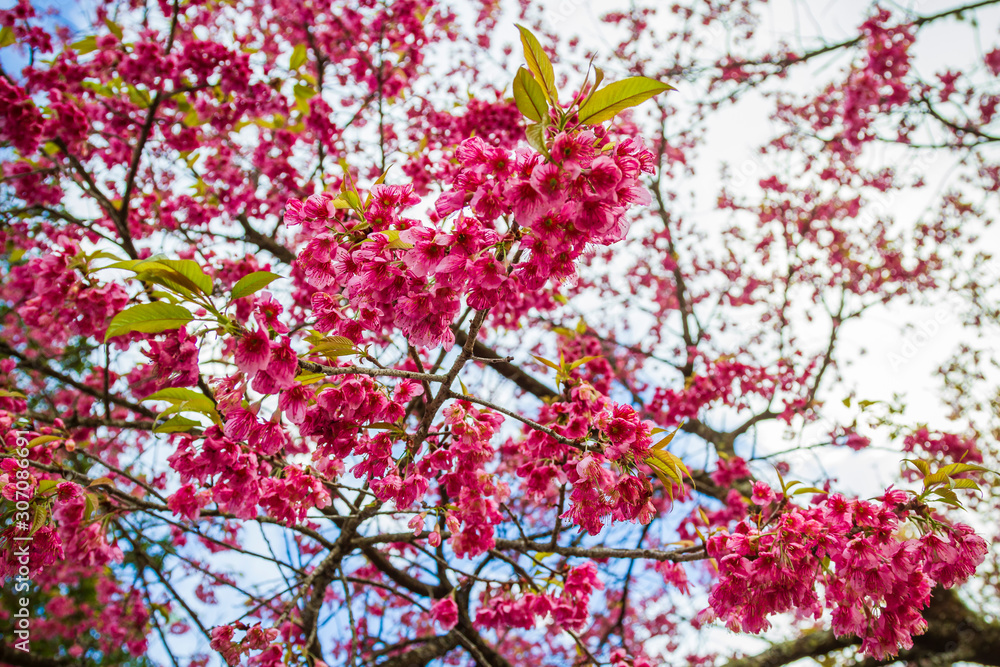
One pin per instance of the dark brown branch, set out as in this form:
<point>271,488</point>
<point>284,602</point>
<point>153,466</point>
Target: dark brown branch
<point>498,363</point>
<point>425,653</point>
<point>11,656</point>
<point>847,43</point>
<point>954,633</point>
<point>38,366</point>
<point>263,242</point>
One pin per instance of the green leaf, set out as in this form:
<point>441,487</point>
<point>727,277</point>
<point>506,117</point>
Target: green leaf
<point>176,424</point>
<point>948,497</point>
<point>7,36</point>
<point>183,272</point>
<point>175,395</point>
<point>303,92</point>
<point>615,97</point>
<point>538,62</point>
<point>102,254</point>
<point>668,468</point>
<point>808,489</point>
<point>91,503</point>
<point>138,97</point>
<point>958,468</point>
<point>331,350</point>
<point>380,426</point>
<point>11,394</point>
<point>202,405</point>
<point>172,280</point>
<point>529,97</point>
<point>582,361</point>
<point>598,78</point>
<point>354,201</point>
<point>115,29</point>
<point>550,364</point>
<point>309,378</point>
<point>920,465</point>
<point>964,484</point>
<point>536,138</point>
<point>662,444</point>
<point>191,270</point>
<point>46,485</point>
<point>42,439</point>
<point>252,283</point>
<point>148,318</point>
<point>298,57</point>
<point>85,45</point>
<point>331,346</point>
<point>41,514</point>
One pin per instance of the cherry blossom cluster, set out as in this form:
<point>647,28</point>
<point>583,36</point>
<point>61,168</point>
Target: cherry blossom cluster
<point>733,382</point>
<point>173,362</point>
<point>949,446</point>
<point>410,276</point>
<point>568,608</point>
<point>608,478</point>
<point>459,460</point>
<point>68,544</point>
<point>50,296</point>
<point>497,123</point>
<point>872,90</point>
<point>876,581</point>
<point>256,638</point>
<point>70,536</point>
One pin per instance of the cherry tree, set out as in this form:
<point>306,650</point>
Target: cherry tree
<point>389,333</point>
